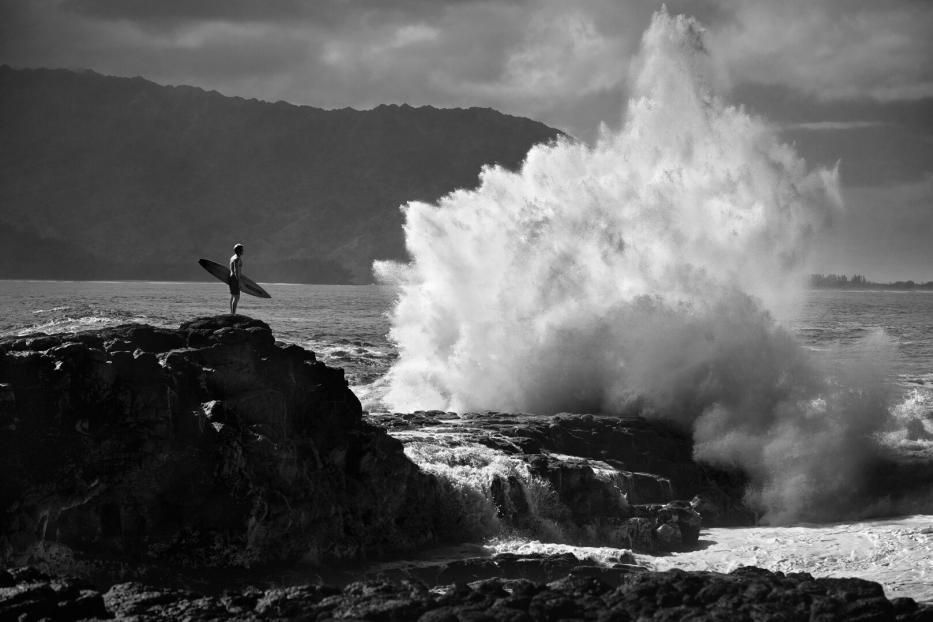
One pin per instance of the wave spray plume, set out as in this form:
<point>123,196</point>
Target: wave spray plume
<point>642,272</point>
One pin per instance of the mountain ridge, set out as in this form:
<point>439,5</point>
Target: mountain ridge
<point>137,180</point>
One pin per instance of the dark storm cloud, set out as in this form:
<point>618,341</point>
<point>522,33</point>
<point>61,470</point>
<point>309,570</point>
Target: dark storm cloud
<point>319,11</point>
<point>333,18</point>
<point>182,11</point>
<point>228,56</point>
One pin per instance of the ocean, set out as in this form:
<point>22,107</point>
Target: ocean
<point>345,325</point>
<point>348,326</point>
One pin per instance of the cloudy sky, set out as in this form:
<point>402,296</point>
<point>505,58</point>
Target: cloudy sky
<point>848,80</point>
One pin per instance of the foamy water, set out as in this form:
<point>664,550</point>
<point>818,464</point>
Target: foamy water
<point>597,274</point>
<point>653,268</point>
<point>896,553</point>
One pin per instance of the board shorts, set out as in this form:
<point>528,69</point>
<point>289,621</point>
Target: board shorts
<point>234,284</point>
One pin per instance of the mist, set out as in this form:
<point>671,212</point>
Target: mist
<point>648,272</point>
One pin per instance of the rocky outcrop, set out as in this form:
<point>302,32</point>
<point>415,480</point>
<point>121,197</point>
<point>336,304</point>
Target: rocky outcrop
<point>746,594</point>
<point>209,445</point>
<point>214,445</point>
<point>583,479</point>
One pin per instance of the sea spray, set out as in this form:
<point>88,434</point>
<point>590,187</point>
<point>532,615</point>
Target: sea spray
<point>522,293</point>
<point>645,270</point>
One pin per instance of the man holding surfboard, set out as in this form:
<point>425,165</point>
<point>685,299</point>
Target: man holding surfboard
<point>236,266</point>
<point>232,275</point>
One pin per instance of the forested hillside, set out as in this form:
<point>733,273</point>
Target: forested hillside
<point>104,177</point>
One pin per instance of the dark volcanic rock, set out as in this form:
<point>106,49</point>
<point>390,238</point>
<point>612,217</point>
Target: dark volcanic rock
<point>208,445</point>
<point>654,459</point>
<point>583,479</point>
<point>750,594</point>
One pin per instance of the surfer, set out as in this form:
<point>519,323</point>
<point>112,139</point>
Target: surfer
<point>236,266</point>
<point>232,275</point>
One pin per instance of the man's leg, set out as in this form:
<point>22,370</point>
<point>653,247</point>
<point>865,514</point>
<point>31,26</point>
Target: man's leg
<point>234,293</point>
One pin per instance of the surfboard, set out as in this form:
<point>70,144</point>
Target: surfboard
<point>247,285</point>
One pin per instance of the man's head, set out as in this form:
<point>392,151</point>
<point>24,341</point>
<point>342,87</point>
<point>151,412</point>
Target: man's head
<point>238,249</point>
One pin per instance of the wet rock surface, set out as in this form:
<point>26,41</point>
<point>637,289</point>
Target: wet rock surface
<point>206,445</point>
<point>746,594</point>
<point>597,480</point>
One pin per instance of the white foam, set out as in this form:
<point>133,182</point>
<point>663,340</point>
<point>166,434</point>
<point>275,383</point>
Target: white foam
<point>898,553</point>
<point>74,324</point>
<point>649,269</point>
<point>602,555</point>
<point>542,290</point>
<point>51,310</point>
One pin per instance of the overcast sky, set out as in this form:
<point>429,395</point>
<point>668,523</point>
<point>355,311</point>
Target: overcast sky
<point>848,80</point>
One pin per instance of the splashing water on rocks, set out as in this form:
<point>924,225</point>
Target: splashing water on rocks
<point>646,272</point>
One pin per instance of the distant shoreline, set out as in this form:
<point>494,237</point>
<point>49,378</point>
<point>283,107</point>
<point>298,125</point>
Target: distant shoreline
<point>859,282</point>
<point>873,288</point>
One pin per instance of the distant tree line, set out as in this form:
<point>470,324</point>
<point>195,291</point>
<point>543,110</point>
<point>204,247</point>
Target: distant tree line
<point>858,281</point>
